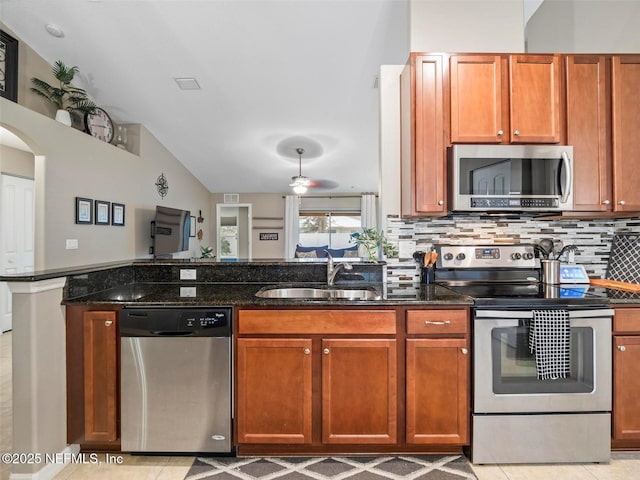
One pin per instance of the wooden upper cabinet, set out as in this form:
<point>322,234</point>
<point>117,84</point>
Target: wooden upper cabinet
<point>626,125</point>
<point>534,89</point>
<point>505,99</point>
<point>423,152</point>
<point>588,131</point>
<point>477,101</point>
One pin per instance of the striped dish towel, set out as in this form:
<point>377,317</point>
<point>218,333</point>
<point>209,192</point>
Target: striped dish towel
<point>550,340</point>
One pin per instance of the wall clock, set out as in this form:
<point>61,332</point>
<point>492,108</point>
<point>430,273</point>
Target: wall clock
<point>99,125</point>
<point>162,185</point>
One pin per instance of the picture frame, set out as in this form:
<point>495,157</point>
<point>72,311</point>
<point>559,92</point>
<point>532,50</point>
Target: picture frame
<point>8,67</point>
<point>268,236</point>
<point>117,214</point>
<point>84,210</point>
<point>192,226</point>
<point>102,212</point>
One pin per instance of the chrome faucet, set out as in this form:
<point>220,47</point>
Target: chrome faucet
<point>333,269</point>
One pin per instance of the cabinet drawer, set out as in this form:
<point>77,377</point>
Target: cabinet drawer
<point>437,321</point>
<point>317,321</point>
<point>627,320</point>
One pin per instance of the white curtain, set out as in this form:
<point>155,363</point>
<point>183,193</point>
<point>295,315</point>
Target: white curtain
<point>291,224</point>
<point>368,214</point>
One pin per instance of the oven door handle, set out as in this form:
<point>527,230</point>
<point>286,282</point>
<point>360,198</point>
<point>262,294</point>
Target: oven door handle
<point>590,313</point>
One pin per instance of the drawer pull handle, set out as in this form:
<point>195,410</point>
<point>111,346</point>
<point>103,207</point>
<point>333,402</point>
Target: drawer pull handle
<point>325,351</point>
<point>464,351</point>
<point>622,348</point>
<point>107,323</point>
<point>307,351</point>
<point>429,322</point>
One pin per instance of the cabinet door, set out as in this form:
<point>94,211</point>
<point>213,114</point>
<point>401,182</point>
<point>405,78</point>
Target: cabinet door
<point>477,99</point>
<point>587,132</point>
<point>423,189</point>
<point>534,86</point>
<point>359,391</point>
<point>625,125</point>
<point>626,387</point>
<point>100,376</point>
<point>437,391</point>
<point>273,390</point>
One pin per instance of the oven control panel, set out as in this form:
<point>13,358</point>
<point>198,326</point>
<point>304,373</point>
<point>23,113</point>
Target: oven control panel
<point>486,256</point>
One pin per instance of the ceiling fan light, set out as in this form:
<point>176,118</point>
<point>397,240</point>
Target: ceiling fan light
<point>299,189</point>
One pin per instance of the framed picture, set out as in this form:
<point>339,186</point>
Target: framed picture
<point>8,67</point>
<point>84,210</point>
<point>117,214</point>
<point>268,235</point>
<point>192,226</point>
<point>102,212</point>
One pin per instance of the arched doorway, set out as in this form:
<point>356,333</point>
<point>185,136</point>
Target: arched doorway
<point>17,215</point>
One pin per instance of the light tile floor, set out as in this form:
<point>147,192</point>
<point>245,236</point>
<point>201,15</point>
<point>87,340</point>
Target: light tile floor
<point>623,465</point>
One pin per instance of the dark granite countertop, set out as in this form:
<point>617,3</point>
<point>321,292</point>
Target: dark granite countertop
<point>243,294</point>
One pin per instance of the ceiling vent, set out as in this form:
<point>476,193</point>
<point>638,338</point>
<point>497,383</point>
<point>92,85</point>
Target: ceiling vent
<point>231,198</point>
<point>187,83</point>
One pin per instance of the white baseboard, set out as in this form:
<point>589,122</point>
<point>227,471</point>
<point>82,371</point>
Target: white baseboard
<point>50,470</point>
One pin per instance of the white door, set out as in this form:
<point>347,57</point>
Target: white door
<point>17,221</point>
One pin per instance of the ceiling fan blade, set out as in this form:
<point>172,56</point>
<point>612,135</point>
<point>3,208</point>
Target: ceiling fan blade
<point>323,184</point>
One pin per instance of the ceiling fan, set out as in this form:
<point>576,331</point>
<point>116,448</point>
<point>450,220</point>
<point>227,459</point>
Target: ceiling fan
<point>300,183</point>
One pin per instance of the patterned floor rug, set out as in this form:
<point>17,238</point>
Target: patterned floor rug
<point>423,467</point>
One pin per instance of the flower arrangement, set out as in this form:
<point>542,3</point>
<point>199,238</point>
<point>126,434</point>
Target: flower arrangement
<point>371,240</point>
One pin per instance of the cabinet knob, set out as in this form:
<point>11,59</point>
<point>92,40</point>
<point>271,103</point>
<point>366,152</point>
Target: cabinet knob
<point>500,133</point>
<point>107,323</point>
<point>307,351</point>
<point>622,348</point>
<point>325,351</point>
<point>516,133</point>
<point>464,351</point>
<point>430,322</point>
<point>440,202</point>
<point>621,202</point>
<point>606,202</point>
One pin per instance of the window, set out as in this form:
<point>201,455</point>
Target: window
<point>328,228</point>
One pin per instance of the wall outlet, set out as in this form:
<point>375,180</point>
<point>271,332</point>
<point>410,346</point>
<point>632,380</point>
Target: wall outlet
<point>72,243</point>
<point>187,274</point>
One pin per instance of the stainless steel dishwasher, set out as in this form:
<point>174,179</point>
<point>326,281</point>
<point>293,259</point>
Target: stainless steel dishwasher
<point>175,379</point>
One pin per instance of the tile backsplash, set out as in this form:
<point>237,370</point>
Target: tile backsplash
<point>592,237</point>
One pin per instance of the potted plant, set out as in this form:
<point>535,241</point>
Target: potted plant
<point>372,242</point>
<point>66,97</point>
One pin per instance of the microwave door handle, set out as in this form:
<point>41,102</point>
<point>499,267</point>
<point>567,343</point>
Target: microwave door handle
<point>567,188</point>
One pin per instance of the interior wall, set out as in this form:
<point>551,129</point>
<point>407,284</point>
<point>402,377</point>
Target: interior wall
<point>576,26</point>
<point>466,26</point>
<point>16,162</point>
<point>70,164</point>
<point>267,210</point>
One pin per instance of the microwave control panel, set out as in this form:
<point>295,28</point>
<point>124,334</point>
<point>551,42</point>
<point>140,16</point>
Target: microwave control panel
<point>508,202</point>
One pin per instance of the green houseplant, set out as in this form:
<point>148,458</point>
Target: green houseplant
<point>65,96</point>
<point>373,241</point>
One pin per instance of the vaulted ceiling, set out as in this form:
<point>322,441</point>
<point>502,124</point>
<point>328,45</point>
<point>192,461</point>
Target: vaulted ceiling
<point>274,75</point>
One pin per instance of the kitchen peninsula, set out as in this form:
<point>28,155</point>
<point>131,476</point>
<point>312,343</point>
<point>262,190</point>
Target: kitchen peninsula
<point>42,336</point>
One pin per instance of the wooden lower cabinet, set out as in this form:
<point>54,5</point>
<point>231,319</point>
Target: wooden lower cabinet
<point>274,390</point>
<point>437,377</point>
<point>332,381</point>
<point>92,378</point>
<point>437,391</point>
<point>626,378</point>
<point>359,391</point>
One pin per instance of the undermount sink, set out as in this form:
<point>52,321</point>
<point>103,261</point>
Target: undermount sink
<point>366,293</point>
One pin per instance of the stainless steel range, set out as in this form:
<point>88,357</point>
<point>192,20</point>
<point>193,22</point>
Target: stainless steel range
<point>541,358</point>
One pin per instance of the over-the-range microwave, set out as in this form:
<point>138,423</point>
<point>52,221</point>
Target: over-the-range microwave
<point>536,178</point>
